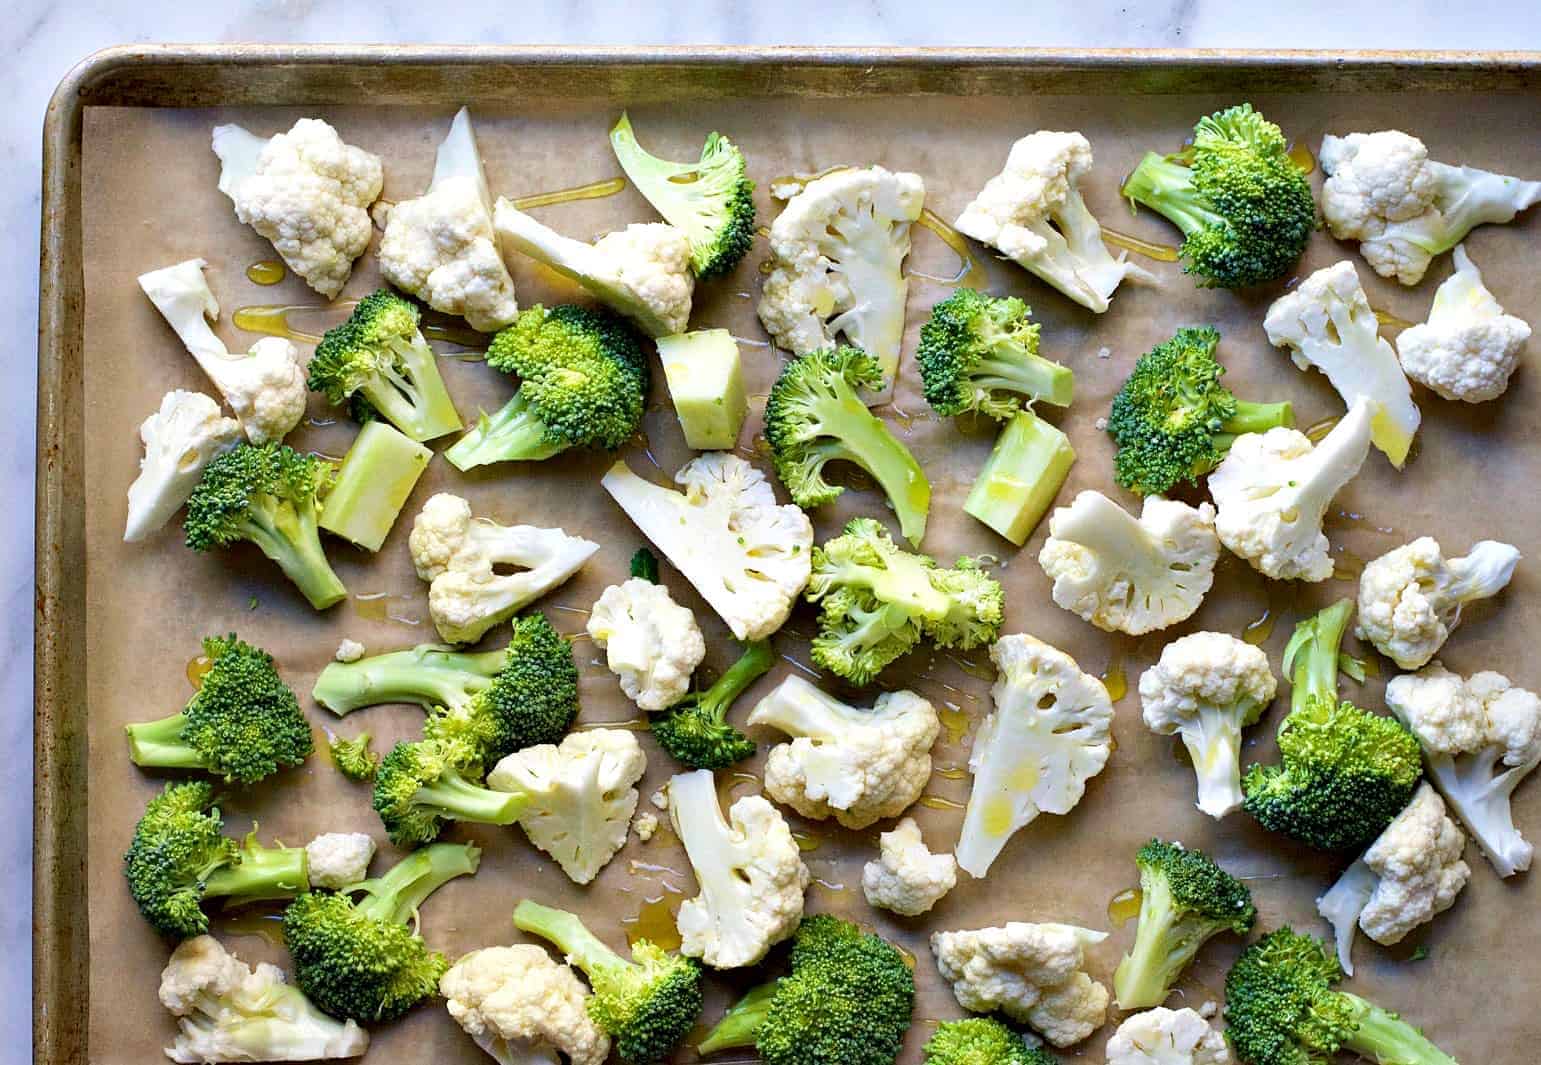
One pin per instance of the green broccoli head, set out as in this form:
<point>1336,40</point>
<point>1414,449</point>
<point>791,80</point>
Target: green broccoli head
<point>980,353</point>
<point>269,495</point>
<point>981,1041</point>
<point>1186,900</point>
<point>815,415</point>
<point>1174,421</point>
<point>355,758</point>
<point>695,731</point>
<point>421,785</point>
<point>1244,208</point>
<point>534,698</point>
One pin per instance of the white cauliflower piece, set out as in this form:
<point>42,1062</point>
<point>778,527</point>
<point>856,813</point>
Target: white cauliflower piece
<point>1272,491</point>
<point>457,554</point>
<point>857,766</point>
<point>180,439</point>
<point>580,795</point>
<point>748,556</point>
<point>1130,575</point>
<point>907,878</point>
<point>749,869</point>
<point>1033,973</point>
<point>265,387</point>
<point>837,265</point>
<point>339,859</point>
<point>1047,735</point>
<point>651,642</point>
<point>645,825</point>
<point>522,1007</point>
<point>305,191</point>
<point>1469,346</point>
<point>1410,598</point>
<point>441,247</point>
<point>1032,213</point>
<point>1384,191</point>
<point>1167,1037</point>
<point>349,650</point>
<point>1207,687</point>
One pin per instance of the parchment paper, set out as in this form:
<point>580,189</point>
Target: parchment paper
<point>150,200</point>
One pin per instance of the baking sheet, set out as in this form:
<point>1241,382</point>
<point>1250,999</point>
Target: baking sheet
<point>149,199</point>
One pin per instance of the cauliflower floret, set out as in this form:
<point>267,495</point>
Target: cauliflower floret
<point>1469,346</point>
<point>907,878</point>
<point>1272,492</point>
<point>1167,1037</point>
<point>1207,687</point>
<point>457,555</point>
<point>838,251</point>
<point>651,642</point>
<point>1411,597</point>
<point>1033,973</point>
<point>441,247</point>
<point>520,1006</point>
<point>180,439</point>
<point>305,191</point>
<point>265,387</point>
<point>1032,213</point>
<point>339,859</point>
<point>645,825</point>
<point>749,557</point>
<point>749,869</point>
<point>1130,575</point>
<point>1383,191</point>
<point>349,650</point>
<point>857,766</point>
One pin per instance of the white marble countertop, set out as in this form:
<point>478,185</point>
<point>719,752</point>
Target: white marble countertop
<point>43,38</point>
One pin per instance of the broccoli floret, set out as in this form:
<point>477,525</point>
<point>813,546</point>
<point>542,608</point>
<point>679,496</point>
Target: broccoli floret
<point>180,856</point>
<point>1244,208</point>
<point>695,731</point>
<point>847,1001</point>
<point>1345,772</point>
<point>535,697</point>
<point>1186,900</point>
<point>243,724</point>
<point>378,363</point>
<point>647,1005</point>
<point>422,784</point>
<point>583,380</point>
<point>981,1041</point>
<point>815,415</point>
<point>1173,420</point>
<point>1281,1009</point>
<point>980,353</point>
<point>711,200</point>
<point>644,565</point>
<point>354,759</point>
<point>269,495</point>
<point>360,959</point>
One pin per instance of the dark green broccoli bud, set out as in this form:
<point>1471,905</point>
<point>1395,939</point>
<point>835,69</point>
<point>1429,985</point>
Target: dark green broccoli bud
<point>1186,900</point>
<point>815,415</point>
<point>360,959</point>
<point>981,1041</point>
<point>378,363</point>
<point>535,697</point>
<point>421,785</point>
<point>583,382</point>
<point>269,495</point>
<point>644,565</point>
<point>1173,420</point>
<point>1281,1009</point>
<point>980,353</point>
<point>180,856</point>
<point>695,731</point>
<point>1244,208</point>
<point>354,758</point>
<point>647,1005</point>
<point>243,724</point>
<point>711,200</point>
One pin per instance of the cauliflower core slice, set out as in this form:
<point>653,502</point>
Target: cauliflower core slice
<point>1469,346</point>
<point>1128,575</point>
<point>180,439</point>
<point>857,766</point>
<point>1045,738</point>
<point>520,1006</point>
<point>907,878</point>
<point>339,859</point>
<point>651,642</point>
<point>1167,1037</point>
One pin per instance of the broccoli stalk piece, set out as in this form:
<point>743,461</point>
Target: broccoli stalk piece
<point>695,731</point>
<point>354,758</point>
<point>583,381</point>
<point>1186,900</point>
<point>243,724</point>
<point>980,353</point>
<point>269,495</point>
<point>1244,208</point>
<point>360,960</point>
<point>1173,420</point>
<point>815,415</point>
<point>647,1005</point>
<point>1020,479</point>
<point>377,475</point>
<point>426,675</point>
<point>1281,1009</point>
<point>981,1041</point>
<point>421,785</point>
<point>711,200</point>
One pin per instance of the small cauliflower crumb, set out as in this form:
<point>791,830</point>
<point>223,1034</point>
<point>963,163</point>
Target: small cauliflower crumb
<point>660,799</point>
<point>1104,353</point>
<point>645,825</point>
<point>1101,425</point>
<point>349,650</point>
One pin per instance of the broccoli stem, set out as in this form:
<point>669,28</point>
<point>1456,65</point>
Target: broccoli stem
<point>1013,368</point>
<point>1253,417</point>
<point>1311,656</point>
<point>395,897</point>
<point>1144,976</point>
<point>158,744</point>
<point>290,537</point>
<point>1166,187</point>
<point>1384,1037</point>
<point>1024,472</point>
<point>866,441</point>
<point>752,664</point>
<point>417,403</point>
<point>426,678</point>
<point>740,1026</point>
<point>569,934</point>
<point>261,873</point>
<point>514,434</point>
<point>455,798</point>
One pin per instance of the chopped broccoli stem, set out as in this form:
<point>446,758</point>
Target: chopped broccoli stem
<point>1023,474</point>
<point>261,873</point>
<point>377,476</point>
<point>1311,657</point>
<point>571,936</point>
<point>425,676</point>
<point>158,744</point>
<point>741,1025</point>
<point>1166,186</point>
<point>1385,1037</point>
<point>695,731</point>
<point>396,897</point>
<point>514,434</point>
